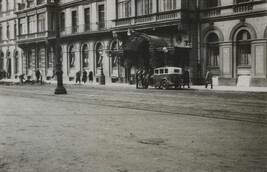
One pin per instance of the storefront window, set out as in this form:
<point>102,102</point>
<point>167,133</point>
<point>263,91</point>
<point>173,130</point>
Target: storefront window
<point>99,55</point>
<point>1,60</point>
<point>16,62</point>
<point>72,57</point>
<point>243,48</point>
<point>213,50</point>
<point>85,56</point>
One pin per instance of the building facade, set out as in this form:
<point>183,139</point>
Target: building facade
<point>227,37</point>
<point>9,53</point>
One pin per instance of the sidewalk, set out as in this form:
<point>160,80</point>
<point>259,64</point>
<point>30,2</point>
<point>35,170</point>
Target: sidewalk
<point>196,87</point>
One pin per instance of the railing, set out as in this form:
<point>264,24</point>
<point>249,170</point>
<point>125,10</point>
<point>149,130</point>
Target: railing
<point>84,28</point>
<point>213,12</point>
<point>243,7</point>
<point>36,35</point>
<point>175,14</point>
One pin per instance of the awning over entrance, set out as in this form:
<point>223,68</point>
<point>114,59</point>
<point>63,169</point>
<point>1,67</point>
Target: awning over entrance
<point>139,41</point>
<point>142,50</point>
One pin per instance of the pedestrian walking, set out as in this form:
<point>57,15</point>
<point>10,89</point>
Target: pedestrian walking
<point>208,79</point>
<point>91,76</point>
<point>186,79</point>
<point>37,74</point>
<point>84,77</point>
<point>78,77</point>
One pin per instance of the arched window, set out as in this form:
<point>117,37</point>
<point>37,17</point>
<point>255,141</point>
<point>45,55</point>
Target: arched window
<point>72,57</point>
<point>213,52</point>
<point>1,60</point>
<point>50,57</point>
<point>29,60</point>
<point>114,57</point>
<point>243,48</point>
<point>16,57</point>
<point>99,55</point>
<point>85,56</point>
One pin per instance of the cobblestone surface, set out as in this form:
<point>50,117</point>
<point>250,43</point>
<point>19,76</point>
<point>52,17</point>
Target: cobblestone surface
<point>117,128</point>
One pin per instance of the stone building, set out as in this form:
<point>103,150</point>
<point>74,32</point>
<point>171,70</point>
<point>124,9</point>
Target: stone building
<point>10,54</point>
<point>233,41</point>
<point>226,36</point>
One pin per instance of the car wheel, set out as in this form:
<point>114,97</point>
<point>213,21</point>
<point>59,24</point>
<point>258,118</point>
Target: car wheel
<point>164,84</point>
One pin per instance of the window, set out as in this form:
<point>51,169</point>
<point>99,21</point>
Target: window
<point>72,57</point>
<point>243,48</point>
<point>62,21</point>
<point>31,24</point>
<point>241,1</point>
<point>212,3</point>
<point>53,26</point>
<point>50,58</point>
<point>0,7</point>
<point>22,26</point>
<point>1,35</point>
<point>161,71</point>
<point>1,60</point>
<point>114,57</point>
<point>29,60</point>
<point>15,31</point>
<point>144,7</point>
<point>166,71</point>
<point>156,71</point>
<point>213,50</point>
<point>124,8</point>
<point>7,5</point>
<point>176,71</point>
<point>87,18</point>
<point>74,21</point>
<point>85,55</point>
<point>101,15</point>
<point>41,22</point>
<point>167,5</point>
<point>40,58</point>
<point>16,62</point>
<point>99,55</point>
<point>30,3</point>
<point>7,31</point>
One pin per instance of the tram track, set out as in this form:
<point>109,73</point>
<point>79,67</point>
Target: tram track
<point>248,113</point>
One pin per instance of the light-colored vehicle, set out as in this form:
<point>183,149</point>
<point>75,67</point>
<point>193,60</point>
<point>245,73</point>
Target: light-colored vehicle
<point>165,77</point>
<point>162,77</point>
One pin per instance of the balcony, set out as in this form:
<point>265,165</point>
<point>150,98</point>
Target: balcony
<point>243,7</point>
<point>212,12</point>
<point>36,35</point>
<point>175,14</point>
<point>85,28</point>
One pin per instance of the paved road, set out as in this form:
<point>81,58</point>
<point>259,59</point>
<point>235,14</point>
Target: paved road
<point>99,128</point>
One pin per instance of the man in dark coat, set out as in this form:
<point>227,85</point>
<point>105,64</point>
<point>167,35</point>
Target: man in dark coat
<point>91,76</point>
<point>208,79</point>
<point>78,77</point>
<point>38,74</point>
<point>186,79</point>
<point>84,77</point>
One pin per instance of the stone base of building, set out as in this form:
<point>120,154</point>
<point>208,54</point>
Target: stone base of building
<point>227,81</point>
<point>258,82</point>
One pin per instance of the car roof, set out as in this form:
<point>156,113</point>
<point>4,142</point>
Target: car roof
<point>168,68</point>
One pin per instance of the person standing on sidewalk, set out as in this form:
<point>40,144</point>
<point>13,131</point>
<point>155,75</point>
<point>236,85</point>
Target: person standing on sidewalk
<point>186,79</point>
<point>78,77</point>
<point>91,76</point>
<point>37,74</point>
<point>84,77</point>
<point>208,79</point>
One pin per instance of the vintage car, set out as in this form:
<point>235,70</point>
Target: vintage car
<point>162,77</point>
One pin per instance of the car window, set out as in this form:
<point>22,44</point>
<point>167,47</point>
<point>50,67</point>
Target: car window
<point>156,72</point>
<point>166,70</point>
<point>176,71</point>
<point>161,71</point>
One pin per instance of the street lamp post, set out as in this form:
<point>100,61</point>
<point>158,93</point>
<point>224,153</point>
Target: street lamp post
<point>60,89</point>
